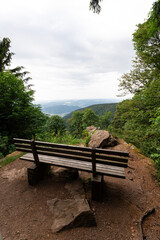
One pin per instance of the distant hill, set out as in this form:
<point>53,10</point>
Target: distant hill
<point>99,109</point>
<point>64,107</point>
<point>59,109</point>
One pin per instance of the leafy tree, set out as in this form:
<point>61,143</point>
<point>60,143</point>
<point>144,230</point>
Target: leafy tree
<point>76,124</point>
<point>3,146</point>
<point>90,118</point>
<point>5,60</point>
<point>138,120</point>
<point>146,66</point>
<point>105,120</point>
<point>18,116</point>
<point>94,6</point>
<point>134,119</point>
<point>56,125</point>
<point>82,119</point>
<point>37,120</point>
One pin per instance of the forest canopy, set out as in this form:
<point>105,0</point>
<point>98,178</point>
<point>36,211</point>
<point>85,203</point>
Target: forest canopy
<point>137,120</point>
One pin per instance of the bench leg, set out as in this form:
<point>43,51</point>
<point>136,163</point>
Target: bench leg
<point>97,188</point>
<point>35,174</point>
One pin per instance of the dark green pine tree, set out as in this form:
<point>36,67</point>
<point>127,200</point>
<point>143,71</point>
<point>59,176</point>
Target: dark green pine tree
<point>94,6</point>
<point>5,60</point>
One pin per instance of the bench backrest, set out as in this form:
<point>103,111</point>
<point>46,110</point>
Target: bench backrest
<point>94,155</point>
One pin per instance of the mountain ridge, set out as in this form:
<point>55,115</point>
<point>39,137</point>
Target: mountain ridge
<point>99,109</point>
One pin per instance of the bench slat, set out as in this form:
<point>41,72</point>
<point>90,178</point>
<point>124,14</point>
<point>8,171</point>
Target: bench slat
<point>18,140</point>
<point>63,146</point>
<point>108,162</point>
<point>63,151</point>
<point>114,158</point>
<point>23,146</point>
<point>99,157</point>
<point>80,165</point>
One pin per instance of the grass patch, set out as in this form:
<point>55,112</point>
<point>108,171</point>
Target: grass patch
<point>62,139</point>
<point>9,159</point>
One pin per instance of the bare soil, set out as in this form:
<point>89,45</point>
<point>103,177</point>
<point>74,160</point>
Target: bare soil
<point>130,210</point>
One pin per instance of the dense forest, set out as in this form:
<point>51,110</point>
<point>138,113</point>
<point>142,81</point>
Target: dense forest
<point>135,120</point>
<point>99,109</point>
<point>138,120</point>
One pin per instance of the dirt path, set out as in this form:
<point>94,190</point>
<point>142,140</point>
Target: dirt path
<point>24,213</point>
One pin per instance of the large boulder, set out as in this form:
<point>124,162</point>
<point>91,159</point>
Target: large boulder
<point>91,129</point>
<point>73,212</point>
<point>99,139</point>
<point>70,213</point>
<point>102,139</point>
<point>112,141</point>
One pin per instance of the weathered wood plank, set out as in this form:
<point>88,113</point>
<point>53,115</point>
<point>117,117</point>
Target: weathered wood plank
<point>93,162</point>
<point>64,151</point>
<point>19,145</point>
<point>85,149</point>
<point>35,155</point>
<point>100,168</point>
<point>72,161</point>
<point>109,157</point>
<point>112,152</point>
<point>63,146</point>
<point>65,156</point>
<point>21,140</point>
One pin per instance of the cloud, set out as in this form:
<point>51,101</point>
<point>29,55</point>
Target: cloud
<point>69,50</point>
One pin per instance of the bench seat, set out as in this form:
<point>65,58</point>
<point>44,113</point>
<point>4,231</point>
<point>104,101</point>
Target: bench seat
<point>104,169</point>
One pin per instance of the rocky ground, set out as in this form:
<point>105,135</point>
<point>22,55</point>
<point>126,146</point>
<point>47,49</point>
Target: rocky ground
<point>130,210</point>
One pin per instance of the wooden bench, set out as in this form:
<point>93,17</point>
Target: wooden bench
<point>97,161</point>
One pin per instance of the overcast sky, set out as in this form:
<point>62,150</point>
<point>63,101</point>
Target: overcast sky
<point>70,52</point>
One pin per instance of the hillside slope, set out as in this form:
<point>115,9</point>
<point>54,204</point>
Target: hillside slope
<point>99,109</point>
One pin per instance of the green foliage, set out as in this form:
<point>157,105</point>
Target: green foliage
<point>9,159</point>
<point>5,54</point>
<point>156,158</point>
<point>5,60</point>
<point>76,123</point>
<point>99,109</point>
<point>138,120</point>
<point>18,116</point>
<point>135,119</point>
<point>55,125</point>
<point>80,120</point>
<point>94,6</point>
<point>105,120</point>
<point>3,145</point>
<point>88,138</point>
<point>90,118</point>
<point>65,138</point>
<point>146,66</point>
